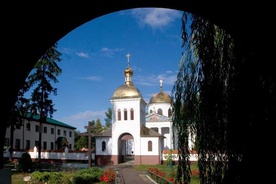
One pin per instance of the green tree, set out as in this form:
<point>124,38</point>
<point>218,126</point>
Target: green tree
<point>201,97</point>
<point>108,119</point>
<point>40,79</point>
<point>227,99</point>
<point>80,140</point>
<point>18,114</point>
<point>98,126</point>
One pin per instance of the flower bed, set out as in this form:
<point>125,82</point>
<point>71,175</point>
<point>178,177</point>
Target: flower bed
<point>109,176</point>
<point>159,176</point>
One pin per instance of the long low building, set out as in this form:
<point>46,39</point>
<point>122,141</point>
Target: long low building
<point>55,135</point>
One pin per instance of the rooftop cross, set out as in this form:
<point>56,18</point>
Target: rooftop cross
<point>161,82</point>
<point>128,56</point>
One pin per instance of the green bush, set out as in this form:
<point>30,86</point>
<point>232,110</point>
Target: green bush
<point>47,177</point>
<point>87,176</point>
<point>25,162</point>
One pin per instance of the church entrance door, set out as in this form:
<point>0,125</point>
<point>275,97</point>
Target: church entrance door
<point>126,148</point>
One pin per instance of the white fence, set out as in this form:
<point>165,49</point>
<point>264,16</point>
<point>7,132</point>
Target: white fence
<point>75,155</point>
<point>52,155</point>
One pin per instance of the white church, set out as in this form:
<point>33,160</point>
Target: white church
<point>136,134</point>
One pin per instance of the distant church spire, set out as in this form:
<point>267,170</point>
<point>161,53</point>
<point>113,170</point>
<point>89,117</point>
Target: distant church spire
<point>128,72</point>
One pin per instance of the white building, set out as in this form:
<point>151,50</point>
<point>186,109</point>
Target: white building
<point>136,134</point>
<point>55,135</point>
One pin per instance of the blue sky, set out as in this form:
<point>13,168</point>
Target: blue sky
<point>94,58</point>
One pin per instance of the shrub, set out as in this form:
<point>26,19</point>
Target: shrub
<point>47,177</point>
<point>87,176</point>
<point>25,162</point>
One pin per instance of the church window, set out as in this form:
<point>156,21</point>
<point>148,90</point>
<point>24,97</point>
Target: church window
<point>28,126</point>
<point>103,146</point>
<point>150,146</point>
<point>169,113</point>
<point>119,115</point>
<point>131,114</point>
<point>125,114</point>
<point>151,111</point>
<point>159,111</point>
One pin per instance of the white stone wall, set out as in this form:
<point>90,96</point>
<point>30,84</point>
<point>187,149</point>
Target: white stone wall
<point>155,146</point>
<point>108,142</point>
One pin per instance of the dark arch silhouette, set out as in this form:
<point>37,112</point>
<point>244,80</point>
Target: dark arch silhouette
<point>30,28</point>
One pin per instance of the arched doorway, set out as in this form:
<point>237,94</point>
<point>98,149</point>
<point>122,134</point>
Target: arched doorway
<point>126,150</point>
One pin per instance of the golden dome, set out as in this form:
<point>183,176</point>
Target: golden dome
<point>160,97</point>
<point>126,91</point>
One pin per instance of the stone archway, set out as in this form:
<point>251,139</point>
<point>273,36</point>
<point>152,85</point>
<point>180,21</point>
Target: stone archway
<point>126,150</point>
<point>27,38</point>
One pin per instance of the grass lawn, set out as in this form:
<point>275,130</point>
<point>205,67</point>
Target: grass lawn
<point>17,178</point>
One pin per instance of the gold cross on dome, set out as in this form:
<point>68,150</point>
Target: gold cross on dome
<point>128,56</point>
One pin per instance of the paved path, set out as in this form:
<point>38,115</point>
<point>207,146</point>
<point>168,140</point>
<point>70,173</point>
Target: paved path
<point>127,174</point>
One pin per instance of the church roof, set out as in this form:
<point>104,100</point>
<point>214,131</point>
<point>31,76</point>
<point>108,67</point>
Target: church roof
<point>36,117</point>
<point>160,97</point>
<point>128,90</point>
<point>154,117</point>
<point>104,133</point>
<point>147,132</point>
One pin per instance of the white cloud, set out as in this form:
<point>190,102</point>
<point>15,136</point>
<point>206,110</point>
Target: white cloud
<point>82,54</point>
<point>92,78</point>
<point>154,80</point>
<point>110,52</point>
<point>155,17</point>
<point>81,119</point>
<point>66,50</point>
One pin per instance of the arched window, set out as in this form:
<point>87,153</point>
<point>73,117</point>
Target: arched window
<point>103,146</point>
<point>150,111</point>
<point>169,113</point>
<point>159,111</point>
<point>125,114</point>
<point>149,145</point>
<point>131,114</point>
<point>119,114</point>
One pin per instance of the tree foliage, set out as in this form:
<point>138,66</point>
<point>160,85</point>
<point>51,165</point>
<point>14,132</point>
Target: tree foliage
<point>45,73</point>
<point>108,119</point>
<point>81,139</point>
<point>213,98</point>
<point>18,114</point>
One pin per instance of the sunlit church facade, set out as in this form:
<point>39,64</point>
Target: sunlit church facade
<point>140,131</point>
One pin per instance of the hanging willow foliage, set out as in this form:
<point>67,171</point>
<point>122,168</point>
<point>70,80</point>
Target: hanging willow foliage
<point>205,83</point>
